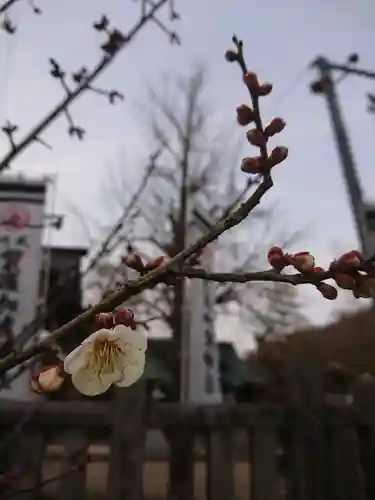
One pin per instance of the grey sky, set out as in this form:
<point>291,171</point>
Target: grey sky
<point>281,38</point>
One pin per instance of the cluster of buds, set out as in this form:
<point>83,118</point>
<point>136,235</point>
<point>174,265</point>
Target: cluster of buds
<point>349,272</point>
<point>246,115</point>
<point>47,380</point>
<point>304,263</point>
<point>258,136</point>
<point>134,261</point>
<point>123,316</point>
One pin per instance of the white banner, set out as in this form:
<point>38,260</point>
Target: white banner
<point>22,204</point>
<point>201,375</point>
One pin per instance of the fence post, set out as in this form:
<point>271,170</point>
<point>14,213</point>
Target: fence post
<point>28,452</point>
<point>264,447</point>
<point>127,443</point>
<point>72,483</point>
<point>181,462</point>
<point>220,463</point>
<point>307,470</point>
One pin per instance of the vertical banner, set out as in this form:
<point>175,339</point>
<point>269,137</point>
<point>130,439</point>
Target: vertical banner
<point>22,204</point>
<point>201,374</point>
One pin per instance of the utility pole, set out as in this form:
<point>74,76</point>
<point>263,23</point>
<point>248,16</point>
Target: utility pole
<point>326,86</point>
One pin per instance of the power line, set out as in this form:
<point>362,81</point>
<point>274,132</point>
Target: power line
<point>326,85</point>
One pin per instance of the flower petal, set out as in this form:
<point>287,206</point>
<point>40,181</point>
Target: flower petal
<point>89,383</point>
<point>75,360</point>
<point>103,332</point>
<point>133,372</point>
<point>128,336</point>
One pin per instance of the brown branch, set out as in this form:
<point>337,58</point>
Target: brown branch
<point>82,87</point>
<point>269,275</point>
<point>7,5</point>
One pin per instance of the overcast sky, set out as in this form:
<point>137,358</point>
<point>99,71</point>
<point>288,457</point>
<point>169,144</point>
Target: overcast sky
<point>281,38</point>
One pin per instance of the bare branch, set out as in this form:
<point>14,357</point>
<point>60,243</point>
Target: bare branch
<point>116,41</point>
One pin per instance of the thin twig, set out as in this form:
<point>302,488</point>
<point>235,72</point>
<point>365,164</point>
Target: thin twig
<point>268,275</point>
<point>7,5</point>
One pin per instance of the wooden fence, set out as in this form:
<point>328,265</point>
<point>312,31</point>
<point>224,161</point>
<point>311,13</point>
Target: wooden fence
<point>301,451</point>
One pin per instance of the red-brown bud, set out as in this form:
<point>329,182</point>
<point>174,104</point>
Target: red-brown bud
<point>133,260</point>
<point>252,165</point>
<point>265,89</point>
<point>104,320</point>
<point>159,261</point>
<point>275,127</point>
<point>256,137</point>
<point>277,259</point>
<point>318,270</point>
<point>278,155</point>
<point>231,56</point>
<point>245,115</point>
<point>124,317</point>
<point>328,291</point>
<point>351,259</point>
<point>344,281</point>
<point>304,262</point>
<point>251,80</point>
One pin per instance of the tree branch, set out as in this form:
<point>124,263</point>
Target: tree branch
<point>246,277</point>
<point>116,42</point>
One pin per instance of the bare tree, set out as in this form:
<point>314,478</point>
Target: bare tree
<point>180,122</point>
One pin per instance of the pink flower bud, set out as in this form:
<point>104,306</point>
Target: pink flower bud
<point>159,261</point>
<point>278,155</point>
<point>49,379</point>
<point>124,317</point>
<point>251,80</point>
<point>277,259</point>
<point>275,127</point>
<point>344,281</point>
<point>329,292</point>
<point>245,115</point>
<point>133,260</point>
<point>318,270</point>
<point>104,320</point>
<point>265,89</point>
<point>304,262</point>
<point>252,165</point>
<point>256,137</point>
<point>351,259</point>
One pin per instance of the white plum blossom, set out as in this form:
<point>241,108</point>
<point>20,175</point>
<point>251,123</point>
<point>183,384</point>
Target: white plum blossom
<point>108,356</point>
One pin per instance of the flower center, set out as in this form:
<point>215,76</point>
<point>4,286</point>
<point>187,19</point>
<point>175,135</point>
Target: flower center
<point>104,356</point>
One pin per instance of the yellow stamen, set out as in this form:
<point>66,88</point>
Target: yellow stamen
<point>104,355</point>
